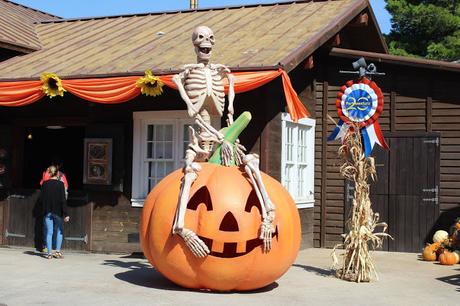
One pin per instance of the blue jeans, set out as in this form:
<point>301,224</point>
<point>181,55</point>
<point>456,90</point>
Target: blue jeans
<point>52,222</point>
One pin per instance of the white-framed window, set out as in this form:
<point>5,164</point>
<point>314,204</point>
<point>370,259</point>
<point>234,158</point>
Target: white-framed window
<point>160,139</point>
<point>297,159</point>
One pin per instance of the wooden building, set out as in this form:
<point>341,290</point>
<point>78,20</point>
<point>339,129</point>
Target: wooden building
<point>310,40</point>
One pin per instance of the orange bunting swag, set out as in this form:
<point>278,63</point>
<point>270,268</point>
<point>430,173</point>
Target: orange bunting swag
<point>121,89</point>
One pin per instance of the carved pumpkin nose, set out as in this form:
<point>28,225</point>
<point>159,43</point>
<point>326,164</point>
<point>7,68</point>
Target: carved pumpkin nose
<point>229,223</point>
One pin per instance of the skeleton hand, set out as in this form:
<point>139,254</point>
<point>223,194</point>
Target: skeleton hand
<point>226,153</point>
<point>266,231</point>
<point>195,244</point>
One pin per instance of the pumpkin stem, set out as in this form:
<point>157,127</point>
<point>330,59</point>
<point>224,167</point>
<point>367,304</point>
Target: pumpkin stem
<point>231,134</point>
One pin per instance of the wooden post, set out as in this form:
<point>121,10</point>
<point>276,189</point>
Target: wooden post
<point>324,165</point>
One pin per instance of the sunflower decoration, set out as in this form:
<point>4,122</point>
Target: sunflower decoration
<point>51,85</point>
<point>149,84</point>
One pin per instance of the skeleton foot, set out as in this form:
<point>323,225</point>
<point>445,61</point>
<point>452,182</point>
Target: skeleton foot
<point>195,244</point>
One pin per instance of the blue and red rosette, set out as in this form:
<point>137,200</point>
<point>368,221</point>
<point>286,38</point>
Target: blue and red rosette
<point>361,103</point>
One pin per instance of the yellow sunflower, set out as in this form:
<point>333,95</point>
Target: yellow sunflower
<point>52,85</point>
<point>150,85</point>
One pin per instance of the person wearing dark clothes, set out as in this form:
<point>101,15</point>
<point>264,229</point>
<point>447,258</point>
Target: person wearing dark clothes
<point>54,209</point>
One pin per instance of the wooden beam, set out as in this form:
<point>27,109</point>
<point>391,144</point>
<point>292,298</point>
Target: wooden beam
<point>324,165</point>
<point>334,41</point>
<point>361,21</point>
<point>309,63</point>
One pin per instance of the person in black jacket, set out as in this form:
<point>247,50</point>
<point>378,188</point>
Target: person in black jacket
<point>54,209</point>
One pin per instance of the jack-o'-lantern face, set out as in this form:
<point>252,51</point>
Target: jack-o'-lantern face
<point>225,213</point>
<point>231,237</point>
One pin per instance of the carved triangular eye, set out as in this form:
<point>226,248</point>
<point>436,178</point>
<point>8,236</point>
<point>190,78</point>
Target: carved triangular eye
<point>252,200</point>
<point>229,223</point>
<point>201,196</point>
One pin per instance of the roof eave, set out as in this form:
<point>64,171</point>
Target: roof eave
<point>396,60</point>
<point>17,47</point>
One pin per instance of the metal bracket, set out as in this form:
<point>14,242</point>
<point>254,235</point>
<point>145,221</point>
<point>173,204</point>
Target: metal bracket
<point>7,234</point>
<point>349,196</point>
<point>84,239</point>
<point>435,141</point>
<point>16,196</point>
<point>436,195</point>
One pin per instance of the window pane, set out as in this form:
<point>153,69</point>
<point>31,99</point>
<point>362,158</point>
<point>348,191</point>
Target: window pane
<point>151,170</point>
<point>150,129</point>
<point>168,132</point>
<point>159,150</point>
<point>149,149</point>
<point>159,132</point>
<point>168,149</point>
<point>302,144</point>
<point>169,167</point>
<point>301,186</point>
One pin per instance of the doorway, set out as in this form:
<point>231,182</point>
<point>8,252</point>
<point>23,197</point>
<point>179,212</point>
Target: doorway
<point>24,221</point>
<point>406,192</point>
<point>43,145</point>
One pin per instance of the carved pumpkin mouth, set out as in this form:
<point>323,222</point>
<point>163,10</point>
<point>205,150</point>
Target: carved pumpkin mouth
<point>230,249</point>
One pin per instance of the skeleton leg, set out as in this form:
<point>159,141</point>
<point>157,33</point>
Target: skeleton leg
<point>251,162</point>
<point>195,244</point>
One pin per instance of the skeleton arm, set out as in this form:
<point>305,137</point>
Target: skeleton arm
<point>225,71</point>
<point>178,79</point>
<point>231,96</point>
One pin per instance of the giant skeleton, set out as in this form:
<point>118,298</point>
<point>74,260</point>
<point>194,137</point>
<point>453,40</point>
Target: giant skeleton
<point>201,87</point>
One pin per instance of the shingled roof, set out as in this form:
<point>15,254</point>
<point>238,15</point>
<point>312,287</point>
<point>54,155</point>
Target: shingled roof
<point>247,37</point>
<point>17,29</point>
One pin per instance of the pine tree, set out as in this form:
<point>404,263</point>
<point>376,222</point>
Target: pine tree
<point>425,28</point>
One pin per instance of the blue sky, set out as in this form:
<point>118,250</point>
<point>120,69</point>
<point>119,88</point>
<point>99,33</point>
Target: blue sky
<point>92,8</point>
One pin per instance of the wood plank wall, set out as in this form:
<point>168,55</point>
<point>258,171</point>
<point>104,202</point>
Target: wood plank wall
<point>415,100</point>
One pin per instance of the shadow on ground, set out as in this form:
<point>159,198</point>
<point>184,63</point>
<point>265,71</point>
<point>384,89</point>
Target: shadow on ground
<point>452,279</point>
<point>34,253</point>
<point>142,274</point>
<point>317,271</point>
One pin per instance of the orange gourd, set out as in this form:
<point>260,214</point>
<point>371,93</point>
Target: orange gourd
<point>429,252</point>
<point>457,224</point>
<point>224,211</point>
<point>447,258</point>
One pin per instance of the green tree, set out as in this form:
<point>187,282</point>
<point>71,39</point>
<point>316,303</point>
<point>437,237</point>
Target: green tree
<point>425,28</point>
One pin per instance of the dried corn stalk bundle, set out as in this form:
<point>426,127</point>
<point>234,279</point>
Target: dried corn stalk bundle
<point>357,263</point>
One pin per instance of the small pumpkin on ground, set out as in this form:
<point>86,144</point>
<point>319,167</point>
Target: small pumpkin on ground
<point>429,252</point>
<point>448,258</point>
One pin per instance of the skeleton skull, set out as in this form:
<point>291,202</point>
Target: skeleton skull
<point>203,40</point>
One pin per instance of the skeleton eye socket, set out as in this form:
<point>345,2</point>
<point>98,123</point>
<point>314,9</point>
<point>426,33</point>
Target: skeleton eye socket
<point>202,196</point>
<point>200,36</point>
<point>211,37</point>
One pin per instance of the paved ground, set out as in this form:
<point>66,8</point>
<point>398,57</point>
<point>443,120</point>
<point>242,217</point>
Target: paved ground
<point>98,279</point>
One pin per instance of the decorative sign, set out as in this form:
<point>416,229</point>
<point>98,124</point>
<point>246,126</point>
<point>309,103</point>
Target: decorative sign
<point>98,161</point>
<point>361,103</point>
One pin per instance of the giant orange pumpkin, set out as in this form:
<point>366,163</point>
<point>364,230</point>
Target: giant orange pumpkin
<point>224,211</point>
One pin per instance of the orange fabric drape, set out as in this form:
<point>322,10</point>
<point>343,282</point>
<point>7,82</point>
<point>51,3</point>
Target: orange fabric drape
<point>20,93</point>
<point>122,89</point>
<point>104,90</point>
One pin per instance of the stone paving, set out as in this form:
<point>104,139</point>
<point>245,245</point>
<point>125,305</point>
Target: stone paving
<point>115,279</point>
